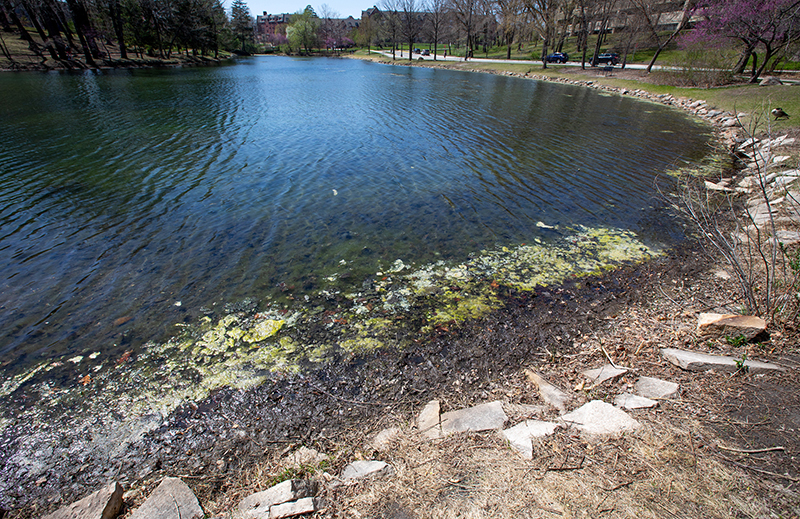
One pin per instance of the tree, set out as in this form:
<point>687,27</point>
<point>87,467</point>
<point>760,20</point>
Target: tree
<point>768,25</point>
<point>545,14</point>
<point>391,23</point>
<point>652,12</point>
<point>464,12</point>
<point>436,18</point>
<point>512,16</point>
<point>410,22</point>
<point>303,30</point>
<point>242,23</point>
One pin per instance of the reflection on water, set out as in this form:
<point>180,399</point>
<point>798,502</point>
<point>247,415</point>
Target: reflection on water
<point>132,199</point>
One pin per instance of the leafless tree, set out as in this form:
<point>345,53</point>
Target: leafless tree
<point>410,22</point>
<point>652,12</point>
<point>391,23</point>
<point>512,15</point>
<point>435,21</point>
<point>545,14</point>
<point>465,12</point>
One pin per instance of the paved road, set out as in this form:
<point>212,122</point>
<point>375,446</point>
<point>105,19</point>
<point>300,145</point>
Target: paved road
<point>440,57</point>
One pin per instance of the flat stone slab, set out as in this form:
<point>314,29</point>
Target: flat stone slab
<point>598,418</point>
<point>629,401</point>
<point>693,361</point>
<point>521,435</point>
<point>549,393</point>
<point>293,508</point>
<point>362,469</point>
<point>649,387</point>
<point>428,421</point>
<point>383,440</point>
<point>258,505</point>
<point>172,499</point>
<point>103,504</point>
<point>483,417</point>
<point>600,375</point>
<point>305,457</point>
<point>730,325</point>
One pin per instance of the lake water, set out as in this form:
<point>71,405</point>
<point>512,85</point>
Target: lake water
<point>132,200</point>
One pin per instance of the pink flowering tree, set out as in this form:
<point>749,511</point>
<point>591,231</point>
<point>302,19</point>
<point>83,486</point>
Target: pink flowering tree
<point>767,26</point>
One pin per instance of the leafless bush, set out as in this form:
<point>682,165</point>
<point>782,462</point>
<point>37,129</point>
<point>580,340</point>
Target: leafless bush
<point>746,221</point>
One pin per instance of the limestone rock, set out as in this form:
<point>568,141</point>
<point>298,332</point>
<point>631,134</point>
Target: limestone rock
<point>362,469</point>
<point>258,505</point>
<point>520,436</point>
<point>549,393</point>
<point>600,375</point>
<point>384,439</point>
<point>305,457</point>
<point>428,421</point>
<point>172,499</point>
<point>629,401</point>
<point>598,418</point>
<point>693,361</point>
<point>481,417</point>
<point>293,508</point>
<point>770,81</point>
<point>649,387</point>
<point>103,504</point>
<point>730,325</point>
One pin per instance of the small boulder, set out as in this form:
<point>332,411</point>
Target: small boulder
<point>428,421</point>
<point>600,375</point>
<point>363,469</point>
<point>258,505</point>
<point>549,393</point>
<point>385,438</point>
<point>521,435</point>
<point>172,499</point>
<point>481,417</point>
<point>693,361</point>
<point>629,401</point>
<point>293,508</point>
<point>770,81</point>
<point>649,387</point>
<point>103,504</point>
<point>730,325</point>
<point>598,418</point>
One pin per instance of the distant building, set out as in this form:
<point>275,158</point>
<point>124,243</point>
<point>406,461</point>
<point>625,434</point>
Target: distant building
<point>268,25</point>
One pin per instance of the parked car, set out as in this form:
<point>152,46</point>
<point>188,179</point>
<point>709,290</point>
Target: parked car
<point>608,58</point>
<point>557,57</point>
<point>417,51</point>
<point>426,52</point>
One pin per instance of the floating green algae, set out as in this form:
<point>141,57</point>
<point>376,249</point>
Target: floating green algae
<point>241,349</point>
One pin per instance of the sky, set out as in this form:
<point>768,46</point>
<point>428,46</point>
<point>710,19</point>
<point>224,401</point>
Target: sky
<point>345,8</point>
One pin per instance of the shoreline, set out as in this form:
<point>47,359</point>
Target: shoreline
<point>363,396</point>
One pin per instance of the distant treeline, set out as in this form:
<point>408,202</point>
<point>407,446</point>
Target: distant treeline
<point>94,32</point>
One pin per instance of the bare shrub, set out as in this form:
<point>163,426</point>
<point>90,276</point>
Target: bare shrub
<point>746,220</point>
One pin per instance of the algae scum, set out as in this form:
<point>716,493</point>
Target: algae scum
<point>400,304</point>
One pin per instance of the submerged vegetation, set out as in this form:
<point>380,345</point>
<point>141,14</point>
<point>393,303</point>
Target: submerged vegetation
<point>403,304</point>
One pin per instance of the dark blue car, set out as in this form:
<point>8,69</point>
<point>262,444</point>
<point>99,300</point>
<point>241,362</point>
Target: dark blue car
<point>557,57</point>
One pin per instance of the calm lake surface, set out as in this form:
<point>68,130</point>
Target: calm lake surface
<point>132,200</point>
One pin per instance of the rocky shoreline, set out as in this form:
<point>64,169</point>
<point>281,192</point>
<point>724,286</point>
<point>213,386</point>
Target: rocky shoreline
<point>369,404</point>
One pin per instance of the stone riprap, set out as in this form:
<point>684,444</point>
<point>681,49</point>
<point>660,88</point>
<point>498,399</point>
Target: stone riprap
<point>650,387</point>
<point>597,418</point>
<point>172,499</point>
<point>260,504</point>
<point>694,361</point>
<point>730,325</point>
<point>630,401</point>
<point>483,417</point>
<point>599,375</point>
<point>549,393</point>
<point>520,437</point>
<point>429,420</point>
<point>364,469</point>
<point>103,504</point>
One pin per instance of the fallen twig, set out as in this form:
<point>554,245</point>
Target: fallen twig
<point>751,451</point>
<point>761,471</point>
